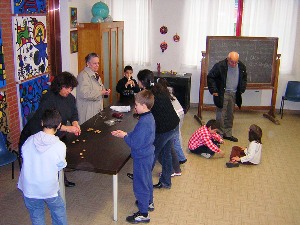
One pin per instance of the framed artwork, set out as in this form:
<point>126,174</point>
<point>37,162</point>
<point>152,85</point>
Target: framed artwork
<point>2,65</point>
<point>29,6</point>
<point>74,41</point>
<point>73,17</point>
<point>30,46</point>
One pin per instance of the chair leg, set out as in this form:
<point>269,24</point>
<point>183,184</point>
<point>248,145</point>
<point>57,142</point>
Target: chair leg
<point>282,108</point>
<point>13,170</point>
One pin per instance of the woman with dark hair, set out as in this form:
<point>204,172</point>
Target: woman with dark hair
<point>250,155</point>
<point>59,97</point>
<point>167,124</point>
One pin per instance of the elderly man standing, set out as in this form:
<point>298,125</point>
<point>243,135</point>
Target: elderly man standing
<point>226,81</point>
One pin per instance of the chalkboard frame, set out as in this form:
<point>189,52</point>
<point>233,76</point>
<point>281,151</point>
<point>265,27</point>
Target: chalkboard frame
<point>273,41</point>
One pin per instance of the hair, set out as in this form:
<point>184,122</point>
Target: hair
<point>90,56</point>
<point>51,119</point>
<point>162,87</point>
<point>255,133</point>
<point>146,77</point>
<point>64,79</point>
<point>127,68</point>
<point>213,124</point>
<point>145,97</point>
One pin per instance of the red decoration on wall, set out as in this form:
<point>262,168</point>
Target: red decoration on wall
<point>163,46</point>
<point>163,30</point>
<point>176,38</point>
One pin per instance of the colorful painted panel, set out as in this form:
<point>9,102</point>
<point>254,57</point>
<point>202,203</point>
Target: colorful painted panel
<point>3,113</point>
<point>2,66</point>
<point>30,95</point>
<point>30,46</point>
<point>29,6</point>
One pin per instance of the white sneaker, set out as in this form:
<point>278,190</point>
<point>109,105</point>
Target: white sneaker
<point>175,174</point>
<point>206,155</point>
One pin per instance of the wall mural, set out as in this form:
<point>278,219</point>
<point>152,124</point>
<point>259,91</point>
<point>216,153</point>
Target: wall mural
<point>30,46</point>
<point>3,112</point>
<point>30,95</point>
<point>2,66</point>
<point>29,6</point>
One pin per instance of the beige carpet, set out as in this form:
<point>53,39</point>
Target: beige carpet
<point>207,193</point>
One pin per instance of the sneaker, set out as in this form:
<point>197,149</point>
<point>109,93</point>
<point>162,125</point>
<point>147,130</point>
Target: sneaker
<point>231,164</point>
<point>183,161</point>
<point>206,155</point>
<point>138,218</point>
<point>175,174</point>
<point>150,207</point>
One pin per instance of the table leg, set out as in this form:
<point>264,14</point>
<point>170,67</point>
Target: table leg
<point>115,196</point>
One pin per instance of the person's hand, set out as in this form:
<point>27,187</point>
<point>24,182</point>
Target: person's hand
<point>119,133</point>
<point>73,129</point>
<point>235,159</point>
<point>222,154</point>
<point>76,124</point>
<point>215,94</point>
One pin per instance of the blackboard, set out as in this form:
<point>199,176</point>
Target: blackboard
<point>257,53</point>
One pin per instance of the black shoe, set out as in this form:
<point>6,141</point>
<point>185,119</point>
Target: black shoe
<point>69,184</point>
<point>234,139</point>
<point>231,164</point>
<point>130,175</point>
<point>183,161</point>
<point>161,185</point>
<point>138,218</point>
<point>150,207</point>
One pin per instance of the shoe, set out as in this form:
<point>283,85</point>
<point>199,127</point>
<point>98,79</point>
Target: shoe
<point>69,184</point>
<point>138,218</point>
<point>183,161</point>
<point>150,207</point>
<point>130,175</point>
<point>160,185</point>
<point>234,139</point>
<point>206,155</point>
<point>175,174</point>
<point>231,164</point>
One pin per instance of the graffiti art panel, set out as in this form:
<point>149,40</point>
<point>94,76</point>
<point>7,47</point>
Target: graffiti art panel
<point>2,65</point>
<point>30,95</point>
<point>30,46</point>
<point>3,113</point>
<point>29,6</point>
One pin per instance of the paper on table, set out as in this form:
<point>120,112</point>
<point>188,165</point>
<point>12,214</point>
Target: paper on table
<point>121,108</point>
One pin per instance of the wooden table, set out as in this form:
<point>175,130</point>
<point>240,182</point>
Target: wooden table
<point>100,152</point>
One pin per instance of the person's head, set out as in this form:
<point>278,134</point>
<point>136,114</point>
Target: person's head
<point>144,101</point>
<point>233,59</point>
<point>92,61</point>
<point>128,71</point>
<point>161,87</point>
<point>145,78</point>
<point>212,126</point>
<point>63,84</point>
<point>255,133</point>
<point>51,119</point>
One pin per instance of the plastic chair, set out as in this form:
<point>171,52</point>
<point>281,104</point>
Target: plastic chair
<point>7,156</point>
<point>292,93</point>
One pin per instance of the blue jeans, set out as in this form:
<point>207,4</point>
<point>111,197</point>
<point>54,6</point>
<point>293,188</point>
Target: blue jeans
<point>163,144</point>
<point>178,148</point>
<point>36,208</point>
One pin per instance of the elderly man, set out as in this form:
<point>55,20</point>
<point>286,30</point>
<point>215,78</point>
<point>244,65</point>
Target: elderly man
<point>226,81</point>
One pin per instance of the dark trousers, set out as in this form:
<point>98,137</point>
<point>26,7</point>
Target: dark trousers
<point>204,149</point>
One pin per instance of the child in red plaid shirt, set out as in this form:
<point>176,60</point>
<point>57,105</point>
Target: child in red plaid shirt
<point>206,141</point>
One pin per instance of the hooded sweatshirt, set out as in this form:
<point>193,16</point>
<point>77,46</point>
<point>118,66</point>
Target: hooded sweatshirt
<point>44,155</point>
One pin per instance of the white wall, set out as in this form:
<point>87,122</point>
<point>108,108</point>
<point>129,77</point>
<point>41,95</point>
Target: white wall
<point>168,13</point>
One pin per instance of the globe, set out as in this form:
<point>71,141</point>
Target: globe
<point>97,19</point>
<point>100,9</point>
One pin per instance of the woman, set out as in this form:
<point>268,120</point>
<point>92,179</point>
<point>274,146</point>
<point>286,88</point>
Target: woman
<point>166,121</point>
<point>59,97</point>
<point>90,90</point>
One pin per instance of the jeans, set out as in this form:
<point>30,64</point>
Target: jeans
<point>163,144</point>
<point>36,208</point>
<point>177,147</point>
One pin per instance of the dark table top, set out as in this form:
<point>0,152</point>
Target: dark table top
<point>100,152</point>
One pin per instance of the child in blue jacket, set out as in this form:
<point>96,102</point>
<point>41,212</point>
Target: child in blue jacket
<point>140,140</point>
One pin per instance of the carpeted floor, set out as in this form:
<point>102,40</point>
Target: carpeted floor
<point>207,193</point>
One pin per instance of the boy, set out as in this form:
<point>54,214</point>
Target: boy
<point>140,140</point>
<point>127,86</point>
<point>43,157</point>
<point>205,141</point>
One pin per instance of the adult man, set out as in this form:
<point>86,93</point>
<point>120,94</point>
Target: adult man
<point>226,81</point>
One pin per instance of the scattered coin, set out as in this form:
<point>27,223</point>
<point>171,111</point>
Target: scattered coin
<point>73,142</point>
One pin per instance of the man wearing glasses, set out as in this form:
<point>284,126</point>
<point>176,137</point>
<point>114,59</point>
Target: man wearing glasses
<point>226,81</point>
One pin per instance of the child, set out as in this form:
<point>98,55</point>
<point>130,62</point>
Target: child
<point>140,140</point>
<point>250,155</point>
<point>43,157</point>
<point>127,86</point>
<point>205,141</point>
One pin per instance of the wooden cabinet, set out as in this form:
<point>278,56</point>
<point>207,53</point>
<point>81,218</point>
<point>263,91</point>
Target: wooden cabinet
<point>105,39</point>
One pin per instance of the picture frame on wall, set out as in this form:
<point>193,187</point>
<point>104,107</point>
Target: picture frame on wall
<point>73,17</point>
<point>74,41</point>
